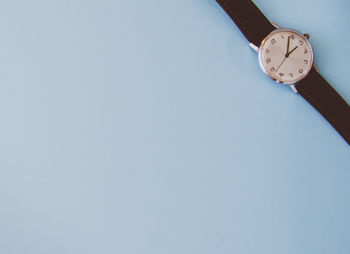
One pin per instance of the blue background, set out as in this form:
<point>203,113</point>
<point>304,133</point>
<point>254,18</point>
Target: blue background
<point>148,127</point>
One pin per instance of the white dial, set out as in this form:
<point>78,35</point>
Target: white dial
<point>286,56</point>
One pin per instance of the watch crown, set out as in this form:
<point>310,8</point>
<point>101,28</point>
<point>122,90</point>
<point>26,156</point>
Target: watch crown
<point>307,36</point>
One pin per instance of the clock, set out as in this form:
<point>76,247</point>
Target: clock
<point>286,56</point>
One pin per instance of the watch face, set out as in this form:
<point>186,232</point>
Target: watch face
<point>286,56</point>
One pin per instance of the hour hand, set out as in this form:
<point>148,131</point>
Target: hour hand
<point>291,51</point>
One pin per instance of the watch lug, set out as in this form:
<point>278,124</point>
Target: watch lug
<point>294,89</point>
<point>275,25</point>
<point>316,68</point>
<point>254,47</point>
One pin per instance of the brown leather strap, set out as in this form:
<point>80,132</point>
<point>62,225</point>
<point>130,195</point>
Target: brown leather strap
<point>316,90</point>
<point>250,20</point>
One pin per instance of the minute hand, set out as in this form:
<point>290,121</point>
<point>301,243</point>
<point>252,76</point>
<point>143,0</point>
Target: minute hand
<point>291,51</point>
<point>288,46</point>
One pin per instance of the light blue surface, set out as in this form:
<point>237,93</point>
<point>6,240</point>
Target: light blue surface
<point>140,126</point>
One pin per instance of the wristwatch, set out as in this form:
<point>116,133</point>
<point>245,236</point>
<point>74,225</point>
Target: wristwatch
<point>286,56</point>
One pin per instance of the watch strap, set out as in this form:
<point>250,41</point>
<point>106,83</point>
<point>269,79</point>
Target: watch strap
<point>250,20</point>
<point>317,91</point>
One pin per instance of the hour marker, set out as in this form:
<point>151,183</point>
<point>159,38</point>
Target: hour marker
<point>306,61</point>
<point>301,70</point>
<point>267,51</point>
<point>272,69</point>
<point>282,36</point>
<point>292,36</point>
<point>305,51</point>
<point>268,60</point>
<point>281,74</point>
<point>301,42</point>
<point>273,41</point>
<point>291,75</point>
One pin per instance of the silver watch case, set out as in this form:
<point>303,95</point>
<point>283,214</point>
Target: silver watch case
<point>259,51</point>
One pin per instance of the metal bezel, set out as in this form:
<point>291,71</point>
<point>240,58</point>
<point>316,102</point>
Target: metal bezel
<point>261,60</point>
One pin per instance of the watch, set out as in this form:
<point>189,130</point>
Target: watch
<point>286,56</point>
